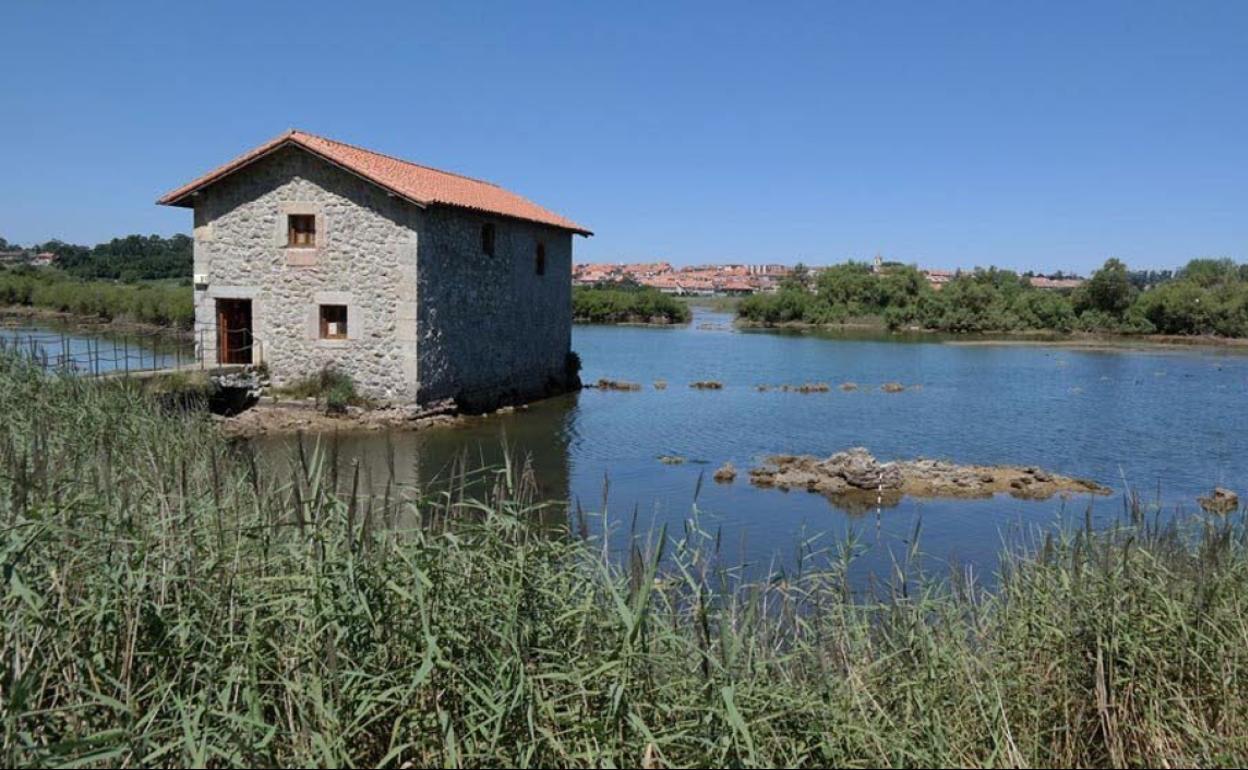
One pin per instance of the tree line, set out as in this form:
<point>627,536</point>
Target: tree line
<point>1205,297</point>
<point>626,303</point>
<point>130,258</point>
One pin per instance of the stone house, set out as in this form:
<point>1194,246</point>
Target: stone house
<point>418,283</point>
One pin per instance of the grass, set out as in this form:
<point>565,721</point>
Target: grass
<point>161,303</point>
<point>331,386</point>
<point>170,599</point>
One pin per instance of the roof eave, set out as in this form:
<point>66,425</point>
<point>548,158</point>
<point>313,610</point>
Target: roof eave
<point>184,196</point>
<point>180,196</point>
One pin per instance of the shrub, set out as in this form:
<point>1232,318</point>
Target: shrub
<point>330,386</point>
<point>621,305</point>
<point>157,304</point>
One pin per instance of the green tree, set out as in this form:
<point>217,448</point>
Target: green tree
<point>1108,292</point>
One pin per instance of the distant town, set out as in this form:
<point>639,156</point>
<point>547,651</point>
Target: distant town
<point>741,279</point>
<point>17,257</point>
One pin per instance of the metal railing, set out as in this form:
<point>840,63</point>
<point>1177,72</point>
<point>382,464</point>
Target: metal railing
<point>90,354</point>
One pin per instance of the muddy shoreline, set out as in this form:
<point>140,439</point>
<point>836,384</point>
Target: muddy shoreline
<point>287,416</point>
<point>78,323</point>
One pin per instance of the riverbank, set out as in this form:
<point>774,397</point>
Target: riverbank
<point>161,303</point>
<point>288,416</point>
<point>329,627</point>
<point>1086,340</point>
<point>74,322</point>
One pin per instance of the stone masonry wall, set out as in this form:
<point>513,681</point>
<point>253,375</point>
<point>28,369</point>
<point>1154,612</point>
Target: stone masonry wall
<point>492,330</point>
<point>430,315</point>
<point>365,258</point>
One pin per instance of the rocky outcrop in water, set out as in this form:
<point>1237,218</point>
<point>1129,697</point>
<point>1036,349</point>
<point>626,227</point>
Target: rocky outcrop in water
<point>726,473</point>
<point>1220,500</point>
<point>856,473</point>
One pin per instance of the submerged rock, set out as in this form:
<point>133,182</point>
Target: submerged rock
<point>856,474</point>
<point>707,385</point>
<point>1220,500</point>
<point>606,384</point>
<point>892,387</point>
<point>671,459</point>
<point>848,386</point>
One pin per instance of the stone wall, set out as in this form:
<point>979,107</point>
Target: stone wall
<point>492,330</point>
<point>365,258</point>
<point>430,315</point>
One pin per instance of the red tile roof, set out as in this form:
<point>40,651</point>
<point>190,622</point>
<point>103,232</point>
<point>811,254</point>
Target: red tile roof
<point>421,185</point>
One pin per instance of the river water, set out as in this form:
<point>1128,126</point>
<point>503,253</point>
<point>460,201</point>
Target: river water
<point>1169,423</point>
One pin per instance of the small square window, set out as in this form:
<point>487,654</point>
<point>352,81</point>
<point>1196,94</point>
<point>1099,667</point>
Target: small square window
<point>487,240</point>
<point>301,229</point>
<point>333,322</point>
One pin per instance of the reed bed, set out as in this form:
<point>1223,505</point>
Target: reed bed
<point>168,602</point>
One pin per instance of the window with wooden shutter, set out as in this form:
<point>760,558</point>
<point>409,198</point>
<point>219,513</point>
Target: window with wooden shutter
<point>302,229</point>
<point>333,322</point>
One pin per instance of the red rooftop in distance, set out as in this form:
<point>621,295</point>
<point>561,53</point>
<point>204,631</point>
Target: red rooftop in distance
<point>421,185</point>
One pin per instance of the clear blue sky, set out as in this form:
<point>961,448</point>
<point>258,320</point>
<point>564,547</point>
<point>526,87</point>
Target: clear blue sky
<point>1048,135</point>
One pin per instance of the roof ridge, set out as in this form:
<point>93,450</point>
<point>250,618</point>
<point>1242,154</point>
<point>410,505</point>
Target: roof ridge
<point>397,159</point>
<point>415,182</point>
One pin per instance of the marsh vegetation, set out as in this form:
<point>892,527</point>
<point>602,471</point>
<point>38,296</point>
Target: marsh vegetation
<point>1207,297</point>
<point>169,601</point>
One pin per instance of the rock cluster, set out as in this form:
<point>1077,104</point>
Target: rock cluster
<point>605,384</point>
<point>1220,500</point>
<point>856,472</point>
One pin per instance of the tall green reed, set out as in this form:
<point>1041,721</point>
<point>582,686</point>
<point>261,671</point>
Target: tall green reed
<point>170,599</point>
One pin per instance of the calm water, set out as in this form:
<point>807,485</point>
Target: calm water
<point>1158,420</point>
<point>64,347</point>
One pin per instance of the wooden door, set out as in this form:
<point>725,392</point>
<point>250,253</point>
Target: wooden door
<point>234,331</point>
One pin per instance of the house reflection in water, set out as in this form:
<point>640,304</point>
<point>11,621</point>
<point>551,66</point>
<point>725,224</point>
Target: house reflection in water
<point>472,457</point>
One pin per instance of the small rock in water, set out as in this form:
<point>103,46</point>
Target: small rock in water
<point>671,459</point>
<point>606,384</point>
<point>892,387</point>
<point>707,385</point>
<point>848,386</point>
<point>726,473</point>
<point>1220,500</point>
<point>660,384</point>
